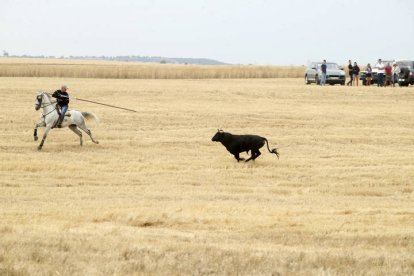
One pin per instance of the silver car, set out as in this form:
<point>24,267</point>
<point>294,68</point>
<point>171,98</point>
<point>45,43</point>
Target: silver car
<point>334,73</point>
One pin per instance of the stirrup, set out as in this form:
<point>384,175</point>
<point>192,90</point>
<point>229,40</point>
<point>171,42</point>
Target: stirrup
<point>58,123</point>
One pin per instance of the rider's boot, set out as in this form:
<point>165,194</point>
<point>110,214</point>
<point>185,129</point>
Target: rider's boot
<point>59,123</point>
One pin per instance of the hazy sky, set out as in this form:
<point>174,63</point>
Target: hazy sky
<point>261,32</point>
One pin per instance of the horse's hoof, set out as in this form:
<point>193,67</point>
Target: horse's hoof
<point>97,142</point>
<point>39,148</point>
<point>35,138</point>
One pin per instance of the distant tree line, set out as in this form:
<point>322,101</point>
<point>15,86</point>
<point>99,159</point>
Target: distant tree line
<point>131,58</point>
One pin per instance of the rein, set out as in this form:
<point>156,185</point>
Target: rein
<point>44,115</point>
<point>42,105</point>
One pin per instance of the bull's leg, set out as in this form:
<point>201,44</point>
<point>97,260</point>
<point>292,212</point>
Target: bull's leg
<point>78,132</point>
<point>251,157</point>
<point>255,151</point>
<point>48,127</point>
<point>237,156</point>
<point>257,154</point>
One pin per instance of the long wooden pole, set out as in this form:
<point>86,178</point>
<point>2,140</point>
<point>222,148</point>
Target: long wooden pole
<point>106,105</point>
<point>100,103</point>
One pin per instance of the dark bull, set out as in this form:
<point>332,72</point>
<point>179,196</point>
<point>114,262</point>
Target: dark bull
<point>236,144</point>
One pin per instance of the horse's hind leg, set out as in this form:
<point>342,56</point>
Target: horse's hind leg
<point>78,132</point>
<point>88,131</point>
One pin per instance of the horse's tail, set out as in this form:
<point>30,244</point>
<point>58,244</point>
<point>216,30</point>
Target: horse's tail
<point>273,150</point>
<point>90,115</point>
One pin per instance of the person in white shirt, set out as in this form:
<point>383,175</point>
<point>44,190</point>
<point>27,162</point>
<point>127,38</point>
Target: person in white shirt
<point>380,76</point>
<point>395,73</point>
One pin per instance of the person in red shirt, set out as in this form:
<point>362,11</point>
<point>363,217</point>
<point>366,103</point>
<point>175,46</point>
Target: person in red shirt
<point>388,74</point>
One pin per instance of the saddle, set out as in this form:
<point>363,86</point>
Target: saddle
<point>67,114</point>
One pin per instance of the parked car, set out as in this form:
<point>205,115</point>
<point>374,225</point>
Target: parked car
<point>334,73</point>
<point>406,76</point>
<point>374,79</point>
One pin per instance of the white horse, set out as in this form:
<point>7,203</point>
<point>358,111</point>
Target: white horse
<point>73,119</point>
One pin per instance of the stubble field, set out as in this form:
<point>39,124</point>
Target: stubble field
<point>157,196</point>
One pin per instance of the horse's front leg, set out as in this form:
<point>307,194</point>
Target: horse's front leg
<point>48,127</point>
<point>41,124</point>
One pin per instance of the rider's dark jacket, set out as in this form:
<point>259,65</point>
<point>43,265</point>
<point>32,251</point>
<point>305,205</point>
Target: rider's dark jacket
<point>61,97</point>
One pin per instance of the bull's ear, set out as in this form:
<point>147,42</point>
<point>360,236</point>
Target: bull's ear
<point>219,130</point>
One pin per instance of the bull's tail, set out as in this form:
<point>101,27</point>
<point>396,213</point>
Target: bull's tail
<point>273,150</point>
<point>90,115</point>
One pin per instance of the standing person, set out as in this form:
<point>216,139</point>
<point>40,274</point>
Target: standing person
<point>323,69</point>
<point>349,83</point>
<point>395,73</point>
<point>380,75</point>
<point>368,77</point>
<point>355,73</point>
<point>388,74</point>
<point>62,99</point>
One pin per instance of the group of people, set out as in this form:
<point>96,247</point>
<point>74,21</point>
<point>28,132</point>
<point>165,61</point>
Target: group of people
<point>386,74</point>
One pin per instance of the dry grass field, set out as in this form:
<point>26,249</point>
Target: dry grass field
<point>158,197</point>
<point>64,68</point>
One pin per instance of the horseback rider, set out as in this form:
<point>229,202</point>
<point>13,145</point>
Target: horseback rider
<point>62,99</point>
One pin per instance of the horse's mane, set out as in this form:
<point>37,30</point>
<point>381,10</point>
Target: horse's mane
<point>47,95</point>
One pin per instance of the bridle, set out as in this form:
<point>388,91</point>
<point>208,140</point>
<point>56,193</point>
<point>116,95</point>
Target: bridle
<point>40,104</point>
